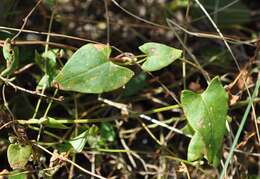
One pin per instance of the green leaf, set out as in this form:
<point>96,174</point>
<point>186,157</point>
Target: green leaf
<point>47,59</point>
<point>107,132</point>
<point>18,155</point>
<point>90,136</point>
<point>79,142</point>
<point>45,82</point>
<point>11,55</point>
<point>90,71</point>
<point>206,114</point>
<point>94,139</point>
<point>158,56</point>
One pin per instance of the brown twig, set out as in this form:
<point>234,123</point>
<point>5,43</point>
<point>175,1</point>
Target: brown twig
<point>26,19</point>
<point>8,82</point>
<point>6,124</point>
<point>39,42</point>
<point>23,69</point>
<point>56,35</point>
<point>63,158</point>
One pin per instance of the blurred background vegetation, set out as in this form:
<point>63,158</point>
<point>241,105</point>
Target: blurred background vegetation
<point>89,20</point>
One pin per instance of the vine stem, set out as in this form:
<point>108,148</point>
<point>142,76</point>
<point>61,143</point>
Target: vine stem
<point>26,19</point>
<point>8,82</point>
<point>44,87</point>
<point>66,121</point>
<point>85,121</point>
<point>76,131</point>
<point>39,42</point>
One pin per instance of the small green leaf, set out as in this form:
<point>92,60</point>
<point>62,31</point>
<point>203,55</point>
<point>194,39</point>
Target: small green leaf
<point>18,155</point>
<point>47,63</point>
<point>158,56</point>
<point>206,114</point>
<point>107,132</point>
<point>11,55</point>
<point>94,140</point>
<point>79,142</point>
<point>90,136</point>
<point>90,71</point>
<point>45,82</point>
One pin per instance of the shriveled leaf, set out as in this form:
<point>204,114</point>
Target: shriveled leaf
<point>90,71</point>
<point>206,114</point>
<point>7,50</point>
<point>18,155</point>
<point>11,55</point>
<point>158,55</point>
<point>54,123</point>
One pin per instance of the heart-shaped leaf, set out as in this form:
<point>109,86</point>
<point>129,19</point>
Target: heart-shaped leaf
<point>18,155</point>
<point>206,114</point>
<point>90,71</point>
<point>158,55</point>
